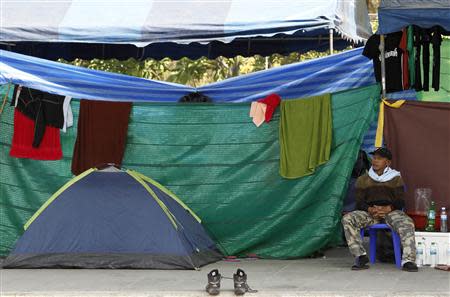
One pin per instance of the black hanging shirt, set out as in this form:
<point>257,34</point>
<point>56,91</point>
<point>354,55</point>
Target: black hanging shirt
<point>436,41</point>
<point>393,58</point>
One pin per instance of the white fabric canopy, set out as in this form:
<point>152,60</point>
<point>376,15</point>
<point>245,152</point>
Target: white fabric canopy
<point>142,22</point>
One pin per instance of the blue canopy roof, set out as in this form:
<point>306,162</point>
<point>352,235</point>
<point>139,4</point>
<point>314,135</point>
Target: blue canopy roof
<point>394,15</point>
<point>177,28</point>
<point>330,74</point>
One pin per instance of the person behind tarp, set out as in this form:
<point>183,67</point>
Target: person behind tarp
<point>379,198</point>
<point>362,165</point>
<point>195,97</point>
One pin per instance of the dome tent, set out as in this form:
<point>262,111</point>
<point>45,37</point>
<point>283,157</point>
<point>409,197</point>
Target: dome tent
<point>113,219</point>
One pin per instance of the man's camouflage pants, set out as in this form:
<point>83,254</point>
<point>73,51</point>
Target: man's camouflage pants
<point>397,220</point>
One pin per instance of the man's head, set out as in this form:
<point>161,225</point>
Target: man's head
<point>381,158</point>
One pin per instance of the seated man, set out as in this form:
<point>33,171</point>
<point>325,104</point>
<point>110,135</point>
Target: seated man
<point>379,198</point>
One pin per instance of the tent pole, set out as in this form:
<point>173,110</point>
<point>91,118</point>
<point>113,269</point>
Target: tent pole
<point>331,41</point>
<point>383,67</point>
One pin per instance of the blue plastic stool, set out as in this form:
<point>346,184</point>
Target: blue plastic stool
<point>373,242</point>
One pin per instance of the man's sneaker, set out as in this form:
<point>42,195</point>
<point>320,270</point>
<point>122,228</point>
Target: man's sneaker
<point>213,286</point>
<point>240,282</point>
<point>410,267</point>
<point>361,263</point>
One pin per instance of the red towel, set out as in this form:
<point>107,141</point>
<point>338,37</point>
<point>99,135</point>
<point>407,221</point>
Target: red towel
<point>272,101</point>
<point>49,148</point>
<point>102,134</point>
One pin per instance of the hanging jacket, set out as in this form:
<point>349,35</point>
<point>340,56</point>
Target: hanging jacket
<point>44,108</point>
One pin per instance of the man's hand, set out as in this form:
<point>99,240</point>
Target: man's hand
<point>379,212</point>
<point>382,211</point>
<point>372,210</point>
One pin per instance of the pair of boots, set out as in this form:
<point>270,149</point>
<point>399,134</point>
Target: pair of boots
<point>239,279</point>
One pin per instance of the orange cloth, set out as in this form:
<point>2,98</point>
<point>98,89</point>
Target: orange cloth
<point>258,113</point>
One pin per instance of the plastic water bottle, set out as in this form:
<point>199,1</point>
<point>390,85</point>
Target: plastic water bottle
<point>448,255</point>
<point>443,219</point>
<point>433,254</point>
<point>420,252</point>
<point>431,217</point>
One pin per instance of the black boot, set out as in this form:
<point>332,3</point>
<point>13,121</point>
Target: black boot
<point>361,263</point>
<point>213,286</point>
<point>240,282</point>
<point>410,267</point>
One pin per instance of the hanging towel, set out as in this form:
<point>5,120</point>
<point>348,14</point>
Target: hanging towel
<point>388,174</point>
<point>68,115</point>
<point>379,134</point>
<point>258,113</point>
<point>102,133</point>
<point>272,102</point>
<point>24,128</point>
<point>305,135</point>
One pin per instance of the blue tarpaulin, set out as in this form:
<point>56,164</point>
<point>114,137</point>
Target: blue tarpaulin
<point>330,74</point>
<point>143,28</point>
<point>394,15</point>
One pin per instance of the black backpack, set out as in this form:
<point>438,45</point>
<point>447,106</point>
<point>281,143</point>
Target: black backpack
<point>362,164</point>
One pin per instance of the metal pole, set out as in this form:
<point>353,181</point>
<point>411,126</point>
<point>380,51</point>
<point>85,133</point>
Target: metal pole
<point>267,63</point>
<point>383,67</point>
<point>331,41</point>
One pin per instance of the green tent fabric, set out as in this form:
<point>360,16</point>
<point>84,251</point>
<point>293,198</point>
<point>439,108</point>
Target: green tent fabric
<point>305,135</point>
<point>222,166</point>
<point>443,95</point>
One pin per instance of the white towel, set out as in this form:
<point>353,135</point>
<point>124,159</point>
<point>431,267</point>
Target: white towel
<point>387,175</point>
<point>68,115</point>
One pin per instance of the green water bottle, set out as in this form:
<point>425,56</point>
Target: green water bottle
<point>431,217</point>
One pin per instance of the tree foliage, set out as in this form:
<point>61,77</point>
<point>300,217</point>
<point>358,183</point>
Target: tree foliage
<point>194,72</point>
<point>203,71</point>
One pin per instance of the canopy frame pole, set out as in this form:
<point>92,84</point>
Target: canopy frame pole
<point>383,67</point>
<point>331,41</point>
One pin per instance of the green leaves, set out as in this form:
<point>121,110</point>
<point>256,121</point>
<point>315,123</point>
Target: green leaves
<point>194,72</point>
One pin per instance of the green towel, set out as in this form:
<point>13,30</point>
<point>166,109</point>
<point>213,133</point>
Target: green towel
<point>305,135</point>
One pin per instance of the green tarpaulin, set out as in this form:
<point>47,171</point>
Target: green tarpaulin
<point>224,168</point>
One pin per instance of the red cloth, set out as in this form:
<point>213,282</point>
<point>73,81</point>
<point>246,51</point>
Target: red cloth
<point>272,101</point>
<point>405,57</point>
<point>102,134</point>
<point>49,148</point>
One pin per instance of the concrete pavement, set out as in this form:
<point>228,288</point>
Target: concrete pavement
<point>327,276</point>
